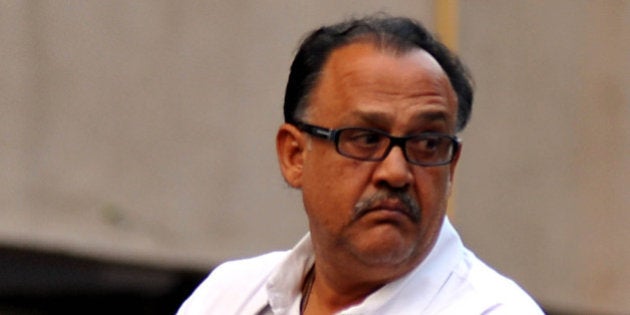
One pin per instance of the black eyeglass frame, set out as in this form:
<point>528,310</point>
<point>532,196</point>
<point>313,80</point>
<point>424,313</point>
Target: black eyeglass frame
<point>333,136</point>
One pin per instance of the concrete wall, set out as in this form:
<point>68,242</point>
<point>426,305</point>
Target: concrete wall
<point>144,131</point>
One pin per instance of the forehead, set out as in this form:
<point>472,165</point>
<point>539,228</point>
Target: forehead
<point>363,75</point>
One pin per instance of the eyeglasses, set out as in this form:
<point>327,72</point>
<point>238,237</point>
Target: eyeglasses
<point>367,144</point>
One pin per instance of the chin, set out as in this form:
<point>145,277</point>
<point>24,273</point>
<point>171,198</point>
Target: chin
<point>385,249</point>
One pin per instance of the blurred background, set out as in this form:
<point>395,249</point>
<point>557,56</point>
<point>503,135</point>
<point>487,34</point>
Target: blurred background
<point>137,145</point>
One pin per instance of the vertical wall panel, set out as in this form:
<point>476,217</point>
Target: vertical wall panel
<point>543,186</point>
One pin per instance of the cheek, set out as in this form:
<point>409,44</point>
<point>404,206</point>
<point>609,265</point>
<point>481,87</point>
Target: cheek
<point>331,188</point>
<point>433,186</point>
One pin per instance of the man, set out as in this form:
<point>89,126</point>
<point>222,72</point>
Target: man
<point>372,109</point>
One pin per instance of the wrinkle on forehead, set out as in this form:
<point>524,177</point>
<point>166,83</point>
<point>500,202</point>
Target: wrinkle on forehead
<point>347,65</point>
<point>352,67</point>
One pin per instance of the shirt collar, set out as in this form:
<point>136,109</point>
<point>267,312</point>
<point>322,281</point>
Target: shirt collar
<point>285,283</point>
<point>420,285</point>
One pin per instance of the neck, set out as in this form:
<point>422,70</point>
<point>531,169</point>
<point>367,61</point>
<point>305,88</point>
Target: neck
<point>340,280</point>
<point>328,292</point>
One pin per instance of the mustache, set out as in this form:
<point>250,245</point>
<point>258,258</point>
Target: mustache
<point>367,204</point>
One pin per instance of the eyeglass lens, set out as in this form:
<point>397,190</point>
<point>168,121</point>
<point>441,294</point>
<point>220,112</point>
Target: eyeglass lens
<point>368,144</point>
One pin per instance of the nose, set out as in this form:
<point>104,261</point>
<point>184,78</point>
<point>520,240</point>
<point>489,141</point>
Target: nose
<point>394,171</point>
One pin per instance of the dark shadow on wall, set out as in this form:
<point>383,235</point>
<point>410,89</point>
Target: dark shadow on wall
<point>34,282</point>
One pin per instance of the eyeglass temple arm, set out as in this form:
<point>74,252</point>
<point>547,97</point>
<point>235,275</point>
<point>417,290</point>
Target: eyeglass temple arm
<point>315,131</point>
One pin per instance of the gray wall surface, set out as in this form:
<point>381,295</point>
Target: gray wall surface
<point>144,131</point>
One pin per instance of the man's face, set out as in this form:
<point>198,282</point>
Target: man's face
<point>408,93</point>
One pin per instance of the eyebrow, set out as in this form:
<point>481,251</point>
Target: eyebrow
<point>431,116</point>
<point>374,118</point>
<point>384,120</point>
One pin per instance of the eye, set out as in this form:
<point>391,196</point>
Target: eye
<point>431,144</point>
<point>426,144</point>
<point>366,137</point>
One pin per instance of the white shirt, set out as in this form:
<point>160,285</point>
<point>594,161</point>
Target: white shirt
<point>451,280</point>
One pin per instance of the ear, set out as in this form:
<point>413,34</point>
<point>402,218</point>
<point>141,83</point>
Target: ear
<point>290,147</point>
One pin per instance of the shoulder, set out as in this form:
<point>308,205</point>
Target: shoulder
<point>484,288</point>
<point>245,269</point>
<point>231,284</point>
